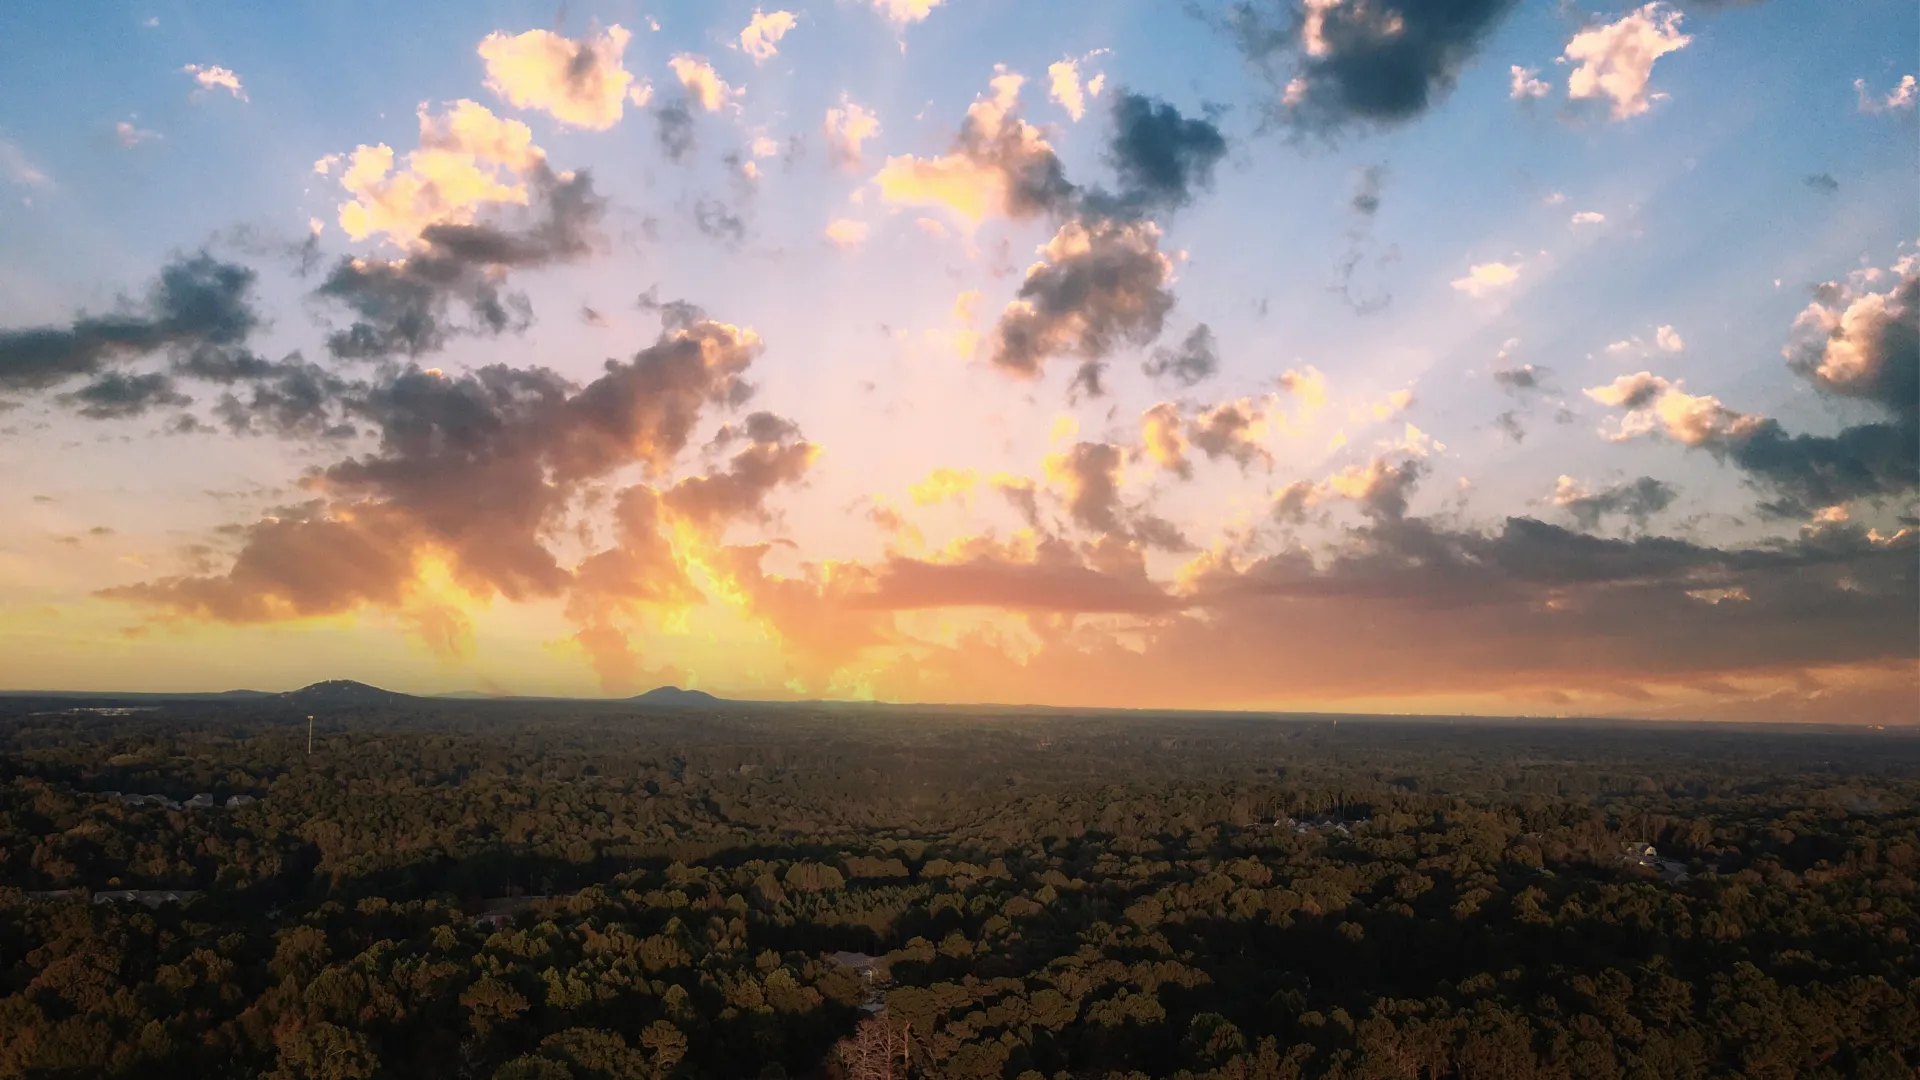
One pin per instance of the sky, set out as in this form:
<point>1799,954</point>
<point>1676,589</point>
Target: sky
<point>1348,355</point>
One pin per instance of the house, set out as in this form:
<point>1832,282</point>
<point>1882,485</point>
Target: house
<point>152,898</point>
<point>499,912</point>
<point>867,967</point>
<point>235,802</point>
<point>202,801</point>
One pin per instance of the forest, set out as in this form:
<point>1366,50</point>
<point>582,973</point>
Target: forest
<point>512,890</point>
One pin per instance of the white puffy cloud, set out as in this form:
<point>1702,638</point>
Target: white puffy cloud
<point>1589,217</point>
<point>1616,59</point>
<point>1667,339</point>
<point>1484,279</point>
<point>215,77</point>
<point>906,11</point>
<point>1526,86</point>
<point>763,32</point>
<point>1902,96</point>
<point>581,83</point>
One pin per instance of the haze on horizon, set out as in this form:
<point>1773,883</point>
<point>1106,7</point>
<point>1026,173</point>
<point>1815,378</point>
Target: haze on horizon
<point>1406,357</point>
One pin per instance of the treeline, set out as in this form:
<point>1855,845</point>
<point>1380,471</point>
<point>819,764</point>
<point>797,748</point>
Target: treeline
<point>587,892</point>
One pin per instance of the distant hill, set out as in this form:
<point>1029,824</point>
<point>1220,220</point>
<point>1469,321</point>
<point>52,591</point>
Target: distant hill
<point>675,697</point>
<point>342,692</point>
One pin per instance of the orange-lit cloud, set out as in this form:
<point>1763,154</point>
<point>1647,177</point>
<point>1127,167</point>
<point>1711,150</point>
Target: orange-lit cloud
<point>468,158</point>
<point>581,83</point>
<point>846,128</point>
<point>703,85</point>
<point>761,36</point>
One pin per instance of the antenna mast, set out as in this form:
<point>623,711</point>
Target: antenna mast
<point>309,734</point>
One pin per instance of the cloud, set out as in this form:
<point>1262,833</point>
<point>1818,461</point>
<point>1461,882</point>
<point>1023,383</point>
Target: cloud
<point>1160,157</point>
<point>713,219</point>
<point>1196,358</point>
<point>1824,183</point>
<point>1667,339</point>
<point>473,473</point>
<point>1362,62</point>
<point>776,455</point>
<point>1615,60</point>
<point>1065,88</point>
<point>1856,343</point>
<point>215,77</point>
<point>675,130</point>
<point>1525,86</point>
<point>944,485</point>
<point>468,159</point>
<point>1310,386</point>
<point>763,33</point>
<point>846,128</point>
<point>999,164</point>
<point>1099,285</point>
<point>582,84</point>
<point>844,234</point>
<point>1089,473</point>
<point>20,169</point>
<point>198,303</point>
<point>1636,500</point>
<point>118,396</point>
<point>290,399</point>
<point>906,11</point>
<point>1522,378</point>
<point>1588,217</point>
<point>403,305</point>
<point>1381,487</point>
<point>1485,279</point>
<point>131,135</point>
<point>1232,430</point>
<point>703,85</point>
<point>1657,407</point>
<point>1165,441</point>
<point>1902,96</point>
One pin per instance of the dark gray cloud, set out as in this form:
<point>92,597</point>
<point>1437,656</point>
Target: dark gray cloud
<point>1364,205</point>
<point>1195,359</point>
<point>1808,472</point>
<point>675,130</point>
<point>290,399</point>
<point>1509,422</point>
<point>198,302</point>
<point>674,314</point>
<point>1160,157</point>
<point>1379,62</point>
<point>1824,183</point>
<point>1089,379</point>
<point>1366,195</point>
<point>1105,285</point>
<point>406,306</point>
<point>1521,379</point>
<point>713,218</point>
<point>117,395</point>
<point>1636,500</point>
